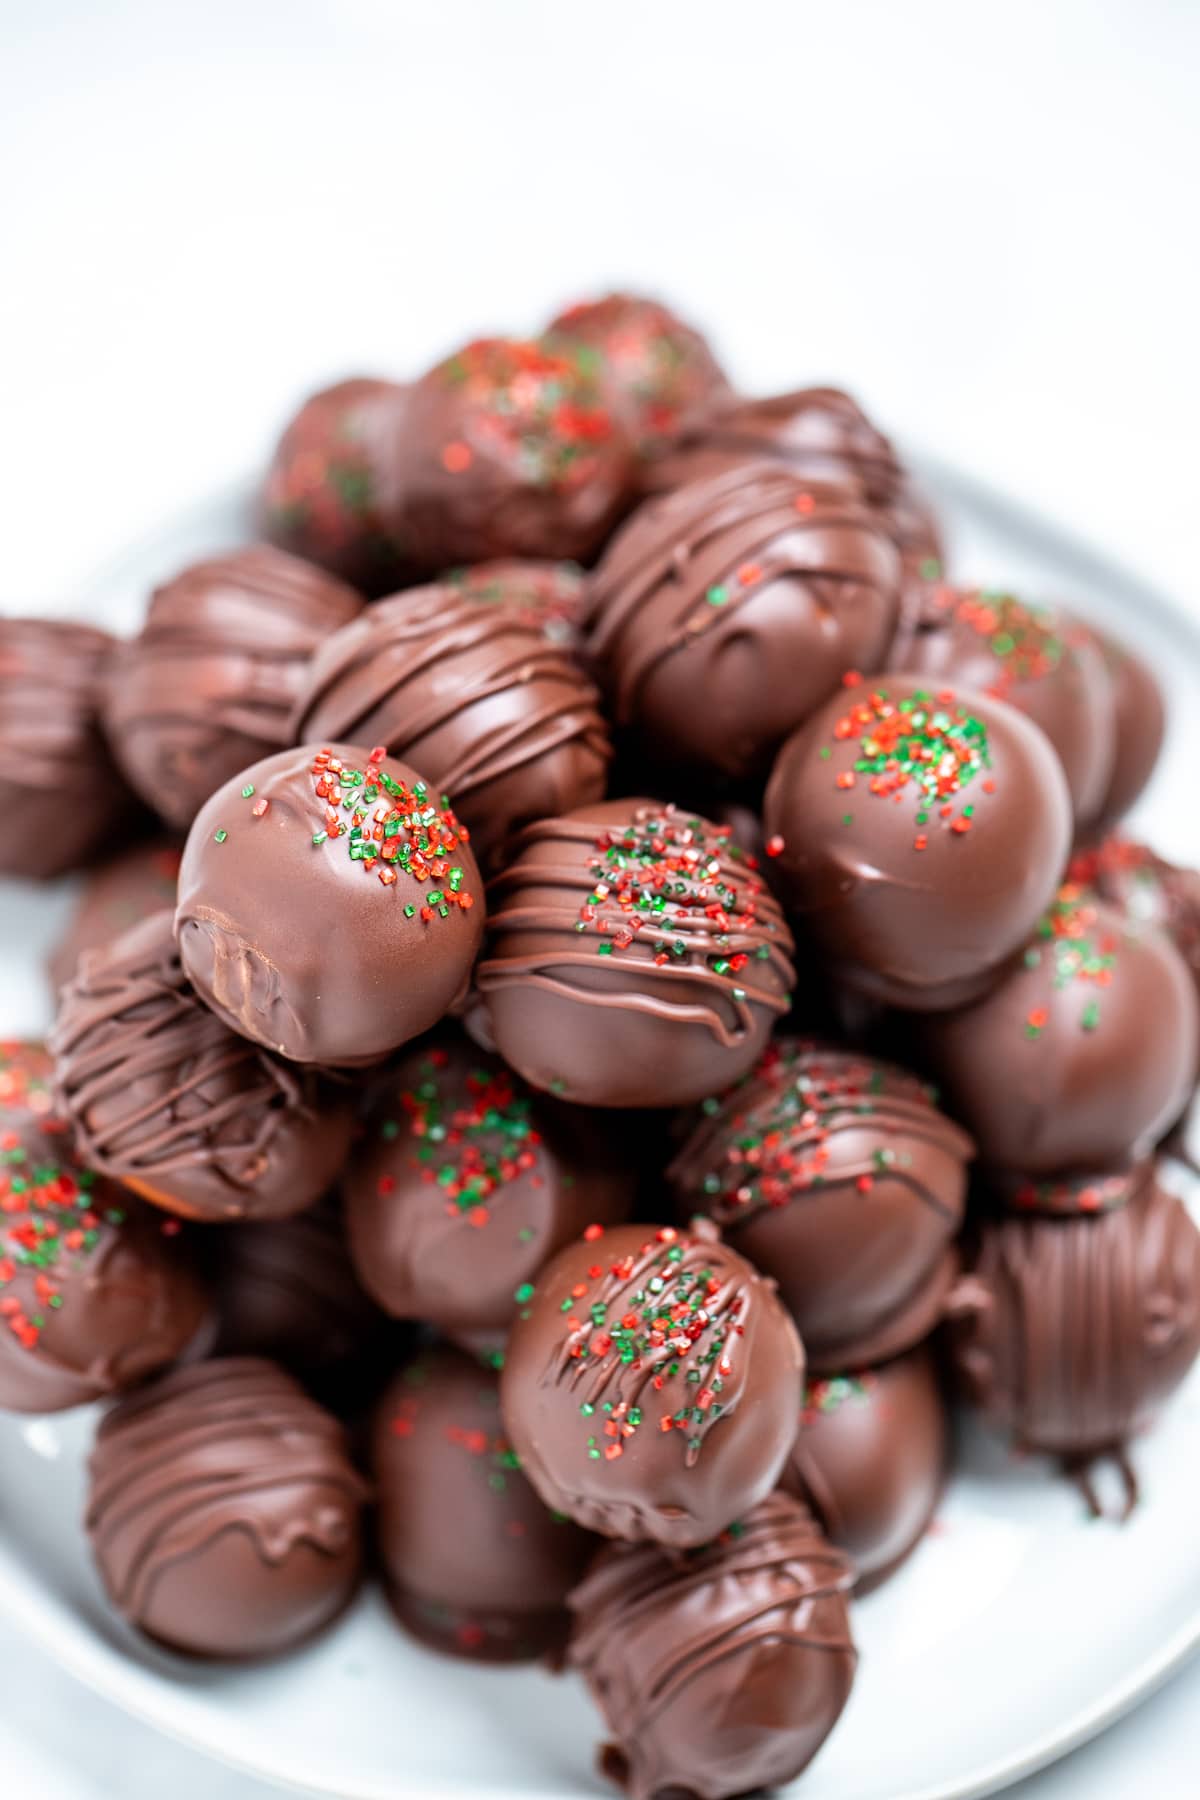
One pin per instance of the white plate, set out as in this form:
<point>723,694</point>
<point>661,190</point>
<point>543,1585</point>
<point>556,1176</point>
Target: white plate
<point>1018,1630</point>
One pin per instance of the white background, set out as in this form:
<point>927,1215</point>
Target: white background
<point>980,217</point>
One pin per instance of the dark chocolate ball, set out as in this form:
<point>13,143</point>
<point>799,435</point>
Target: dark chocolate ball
<point>661,371</point>
<point>632,958</point>
<point>96,1291</point>
<point>465,1183</point>
<point>224,1512</point>
<point>1037,658</point>
<point>1083,1054</point>
<point>62,797</point>
<point>209,684</point>
<point>652,1383</point>
<point>1075,1329</point>
<point>121,892</point>
<point>919,835</point>
<point>871,1459</point>
<point>838,1177</point>
<point>473,1562</point>
<point>509,448</point>
<point>166,1099</point>
<point>329,906</point>
<point>473,692</point>
<point>1141,723</point>
<point>327,491</point>
<point>722,1671</point>
<point>724,612</point>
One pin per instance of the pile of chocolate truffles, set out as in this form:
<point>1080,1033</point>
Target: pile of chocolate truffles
<point>607,991</point>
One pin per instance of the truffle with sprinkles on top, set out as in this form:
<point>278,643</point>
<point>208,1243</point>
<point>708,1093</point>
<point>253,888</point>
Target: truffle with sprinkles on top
<point>329,904</point>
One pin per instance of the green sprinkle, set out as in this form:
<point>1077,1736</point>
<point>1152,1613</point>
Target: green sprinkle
<point>220,836</point>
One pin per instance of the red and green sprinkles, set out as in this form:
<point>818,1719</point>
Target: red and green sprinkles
<point>1081,950</point>
<point>1024,640</point>
<point>392,830</point>
<point>539,410</point>
<point>829,1394</point>
<point>469,1145</point>
<point>924,743</point>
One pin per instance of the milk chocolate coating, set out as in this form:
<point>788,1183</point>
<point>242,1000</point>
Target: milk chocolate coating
<point>652,1383</point>
<point>1039,659</point>
<point>224,1513</point>
<point>838,1177</point>
<point>473,692</point>
<point>466,1182</point>
<point>723,1671</point>
<point>553,591</point>
<point>96,1292</point>
<point>62,797</point>
<point>1141,723</point>
<point>1147,890</point>
<point>327,491</point>
<point>920,833</point>
<point>474,1564</point>
<point>166,1099</point>
<point>632,957</point>
<point>1074,1331</point>
<point>1083,1055</point>
<point>209,684</point>
<point>332,913</point>
<point>871,1459</point>
<point>509,448</point>
<point>121,892</point>
<point>723,613</point>
<point>662,372</point>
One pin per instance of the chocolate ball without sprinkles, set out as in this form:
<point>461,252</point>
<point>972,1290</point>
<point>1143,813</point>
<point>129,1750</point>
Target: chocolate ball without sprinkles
<point>651,1384</point>
<point>919,834</point>
<point>633,958</point>
<point>466,1182</point>
<point>839,1177</point>
<point>474,1564</point>
<point>164,1098</point>
<point>1140,724</point>
<point>724,613</point>
<point>329,905</point>
<point>121,892</point>
<point>97,1292</point>
<point>720,1672</point>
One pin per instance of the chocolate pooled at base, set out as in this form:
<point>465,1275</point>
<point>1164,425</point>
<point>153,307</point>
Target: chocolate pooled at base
<point>839,1177</point>
<point>652,1383</point>
<point>329,905</point>
<point>121,892</point>
<point>633,958</point>
<point>209,683</point>
<point>166,1099</point>
<point>474,1564</point>
<point>224,1513</point>
<point>97,1292</point>
<point>721,1671</point>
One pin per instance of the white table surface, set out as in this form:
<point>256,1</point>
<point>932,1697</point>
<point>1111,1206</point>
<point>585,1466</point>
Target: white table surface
<point>981,218</point>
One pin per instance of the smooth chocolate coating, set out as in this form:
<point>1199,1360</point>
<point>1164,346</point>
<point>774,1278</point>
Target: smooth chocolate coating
<point>662,372</point>
<point>467,1181</point>
<point>1073,1331</point>
<point>652,1383</point>
<point>509,448</point>
<point>1083,1055</point>
<point>1141,724</point>
<point>224,1513</point>
<point>1147,890</point>
<point>327,491</point>
<point>632,957</point>
<point>871,1459</point>
<point>839,1177</point>
<point>1038,658</point>
<point>166,1099</point>
<point>724,612</point>
<point>209,684</point>
<point>723,1671</point>
<point>474,1564</point>
<point>62,797</point>
<point>919,835</point>
<point>116,894</point>
<point>473,692</point>
<point>329,906</point>
<point>96,1291</point>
